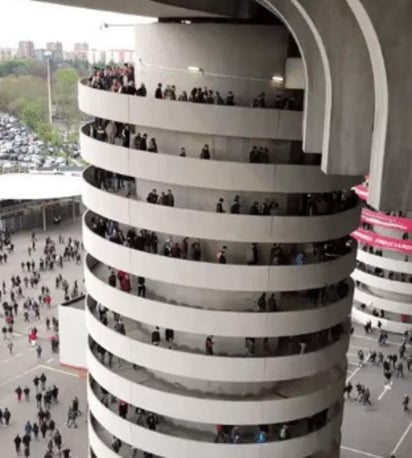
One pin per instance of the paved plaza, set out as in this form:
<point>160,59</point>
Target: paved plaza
<point>21,367</point>
<point>382,429</point>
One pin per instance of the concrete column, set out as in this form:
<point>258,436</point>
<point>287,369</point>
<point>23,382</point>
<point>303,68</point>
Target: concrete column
<point>74,209</point>
<point>349,92</point>
<point>314,114</point>
<point>386,28</point>
<point>43,211</point>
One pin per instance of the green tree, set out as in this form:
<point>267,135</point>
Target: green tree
<point>81,66</point>
<point>33,114</point>
<point>73,136</point>
<point>65,97</point>
<point>19,67</point>
<point>49,134</point>
<point>26,87</point>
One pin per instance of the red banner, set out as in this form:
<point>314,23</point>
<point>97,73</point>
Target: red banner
<point>389,222</point>
<point>361,191</point>
<point>383,242</point>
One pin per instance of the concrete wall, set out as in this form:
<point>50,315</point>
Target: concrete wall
<point>240,52</point>
<point>73,339</point>
<point>295,73</point>
<point>31,217</point>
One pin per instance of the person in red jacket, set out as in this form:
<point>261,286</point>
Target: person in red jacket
<point>125,284</point>
<point>18,392</point>
<point>47,300</point>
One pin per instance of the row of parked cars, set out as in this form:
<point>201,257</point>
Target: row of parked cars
<point>21,149</point>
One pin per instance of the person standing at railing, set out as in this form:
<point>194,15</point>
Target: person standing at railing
<point>159,92</point>
<point>111,132</point>
<point>141,91</point>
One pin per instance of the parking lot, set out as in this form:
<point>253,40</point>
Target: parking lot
<point>21,150</point>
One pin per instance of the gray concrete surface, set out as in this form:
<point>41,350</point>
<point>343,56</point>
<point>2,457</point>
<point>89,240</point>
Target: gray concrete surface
<point>21,367</point>
<point>381,429</point>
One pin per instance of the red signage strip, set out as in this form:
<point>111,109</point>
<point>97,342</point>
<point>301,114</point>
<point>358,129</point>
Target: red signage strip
<point>389,222</point>
<point>361,191</point>
<point>383,242</point>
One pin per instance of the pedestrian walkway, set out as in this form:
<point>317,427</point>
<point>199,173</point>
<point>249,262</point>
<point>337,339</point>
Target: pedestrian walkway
<point>383,428</point>
<point>21,366</point>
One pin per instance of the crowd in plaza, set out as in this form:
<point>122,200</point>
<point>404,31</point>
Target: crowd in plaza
<point>23,290</point>
<point>27,290</point>
<point>43,426</point>
<point>121,79</point>
<point>392,364</point>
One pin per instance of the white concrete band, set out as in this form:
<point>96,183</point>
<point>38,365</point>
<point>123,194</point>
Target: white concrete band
<point>216,322</point>
<point>178,447</point>
<point>212,174</point>
<point>216,226</point>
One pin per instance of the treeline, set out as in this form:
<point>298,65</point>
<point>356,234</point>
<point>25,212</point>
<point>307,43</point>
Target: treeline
<point>23,93</point>
<point>18,67</point>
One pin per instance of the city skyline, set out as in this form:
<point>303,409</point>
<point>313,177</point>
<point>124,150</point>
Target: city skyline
<point>43,23</point>
<point>45,46</point>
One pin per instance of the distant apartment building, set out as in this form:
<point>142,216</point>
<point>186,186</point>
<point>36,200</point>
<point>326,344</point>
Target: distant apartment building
<point>117,56</point>
<point>39,54</point>
<point>56,48</point>
<point>96,56</point>
<point>81,51</point>
<point>26,50</point>
<point>69,55</point>
<point>7,53</point>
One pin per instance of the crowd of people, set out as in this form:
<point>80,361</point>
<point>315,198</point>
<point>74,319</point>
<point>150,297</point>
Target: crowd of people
<point>392,365</point>
<point>279,254</point>
<point>128,136</point>
<point>166,199</point>
<point>306,204</point>
<point>254,347</point>
<point>266,302</point>
<point>27,293</point>
<point>43,426</point>
<point>224,433</point>
<point>383,273</point>
<point>122,80</point>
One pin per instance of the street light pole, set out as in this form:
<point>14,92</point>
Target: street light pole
<point>48,55</point>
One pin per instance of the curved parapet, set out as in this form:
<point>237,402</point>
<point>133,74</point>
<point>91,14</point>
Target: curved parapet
<point>178,447</point>
<point>217,276</point>
<point>383,276</point>
<point>213,174</point>
<point>226,121</point>
<point>217,368</point>
<point>139,388</point>
<point>216,322</point>
<point>215,226</point>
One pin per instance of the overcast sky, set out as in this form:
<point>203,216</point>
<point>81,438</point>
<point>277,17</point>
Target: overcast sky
<point>42,22</point>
